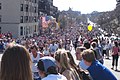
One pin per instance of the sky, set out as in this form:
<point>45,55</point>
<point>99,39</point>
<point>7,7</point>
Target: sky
<point>86,6</point>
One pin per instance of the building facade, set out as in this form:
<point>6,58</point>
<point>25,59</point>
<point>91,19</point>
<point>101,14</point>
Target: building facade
<point>46,7</point>
<point>20,17</point>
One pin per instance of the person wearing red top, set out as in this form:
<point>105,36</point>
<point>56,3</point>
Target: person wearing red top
<point>115,55</point>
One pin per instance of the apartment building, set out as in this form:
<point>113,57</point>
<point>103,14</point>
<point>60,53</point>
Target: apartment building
<point>47,7</point>
<point>20,17</point>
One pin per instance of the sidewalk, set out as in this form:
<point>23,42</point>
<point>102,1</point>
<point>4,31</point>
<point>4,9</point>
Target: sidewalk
<point>108,64</point>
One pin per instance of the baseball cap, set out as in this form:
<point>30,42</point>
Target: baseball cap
<point>46,62</point>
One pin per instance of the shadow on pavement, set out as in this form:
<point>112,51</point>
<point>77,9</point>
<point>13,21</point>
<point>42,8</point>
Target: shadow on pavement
<point>117,70</point>
<point>107,58</point>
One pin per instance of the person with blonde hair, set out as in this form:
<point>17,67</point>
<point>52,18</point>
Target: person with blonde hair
<point>82,74</point>
<point>65,68</point>
<point>15,64</point>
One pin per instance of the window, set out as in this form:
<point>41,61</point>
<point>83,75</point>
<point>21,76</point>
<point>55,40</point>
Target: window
<point>0,18</point>
<point>35,28</point>
<point>0,5</point>
<point>21,19</point>
<point>27,30</point>
<point>24,30</point>
<point>0,30</point>
<point>32,1</point>
<point>26,18</point>
<point>21,30</point>
<point>35,9</point>
<point>35,19</point>
<point>21,7</point>
<point>29,18</point>
<point>35,1</point>
<point>32,18</point>
<point>32,9</point>
<point>26,7</point>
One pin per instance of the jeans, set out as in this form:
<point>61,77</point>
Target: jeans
<point>115,60</point>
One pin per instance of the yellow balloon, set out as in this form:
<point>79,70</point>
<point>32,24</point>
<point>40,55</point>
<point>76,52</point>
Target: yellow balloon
<point>59,24</point>
<point>90,27</point>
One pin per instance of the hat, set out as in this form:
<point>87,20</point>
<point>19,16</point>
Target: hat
<point>46,62</point>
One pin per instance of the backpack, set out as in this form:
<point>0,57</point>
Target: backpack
<point>98,55</point>
<point>83,75</point>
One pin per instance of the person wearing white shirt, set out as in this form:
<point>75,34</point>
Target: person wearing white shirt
<point>35,56</point>
<point>53,48</point>
<point>46,51</point>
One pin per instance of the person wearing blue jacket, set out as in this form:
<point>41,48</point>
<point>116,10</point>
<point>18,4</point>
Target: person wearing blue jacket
<point>96,69</point>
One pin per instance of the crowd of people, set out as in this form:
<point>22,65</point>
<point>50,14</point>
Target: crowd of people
<point>49,57</point>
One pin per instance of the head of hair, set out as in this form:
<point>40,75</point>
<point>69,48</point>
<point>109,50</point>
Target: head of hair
<point>95,40</point>
<point>34,46</point>
<point>71,59</point>
<point>116,43</point>
<point>50,70</point>
<point>87,45</point>
<point>62,57</point>
<point>15,64</point>
<point>60,46</point>
<point>88,55</point>
<point>80,48</point>
<point>40,66</point>
<point>94,44</point>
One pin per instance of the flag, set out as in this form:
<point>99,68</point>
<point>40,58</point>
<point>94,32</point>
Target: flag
<point>44,22</point>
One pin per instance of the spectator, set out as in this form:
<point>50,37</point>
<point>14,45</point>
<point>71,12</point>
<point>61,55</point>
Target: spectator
<point>98,55</point>
<point>115,55</point>
<point>73,65</point>
<point>47,69</point>
<point>1,46</point>
<point>65,68</point>
<point>53,48</point>
<point>78,52</point>
<point>35,56</point>
<point>82,74</point>
<point>15,64</point>
<point>86,44</point>
<point>96,69</point>
<point>99,49</point>
<point>46,51</point>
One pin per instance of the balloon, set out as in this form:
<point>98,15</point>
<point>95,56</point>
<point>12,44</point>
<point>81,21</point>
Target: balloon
<point>59,24</point>
<point>90,27</point>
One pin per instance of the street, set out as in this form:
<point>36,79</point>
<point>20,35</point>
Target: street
<point>108,63</point>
